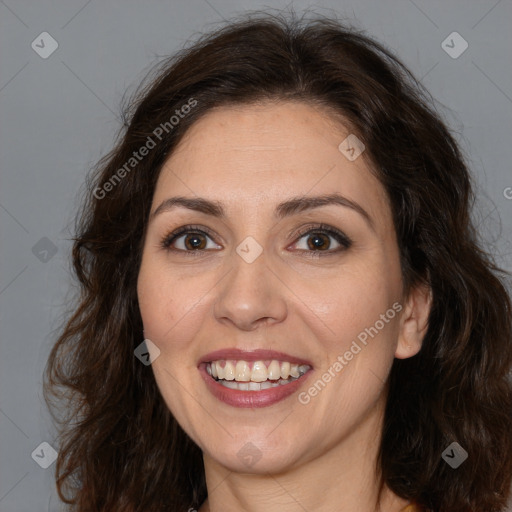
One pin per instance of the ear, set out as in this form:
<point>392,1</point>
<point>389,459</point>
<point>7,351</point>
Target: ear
<point>414,322</point>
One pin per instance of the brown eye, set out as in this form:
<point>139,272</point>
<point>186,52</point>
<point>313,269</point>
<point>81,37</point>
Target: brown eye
<point>194,241</point>
<point>188,239</point>
<point>319,240</point>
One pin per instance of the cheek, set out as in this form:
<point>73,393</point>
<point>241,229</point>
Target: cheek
<point>171,308</point>
<point>158,302</point>
<point>352,302</point>
<point>160,295</point>
<point>360,348</point>
<point>150,297</point>
<point>361,310</point>
<point>170,321</point>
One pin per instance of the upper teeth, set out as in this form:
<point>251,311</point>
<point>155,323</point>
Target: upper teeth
<point>242,371</point>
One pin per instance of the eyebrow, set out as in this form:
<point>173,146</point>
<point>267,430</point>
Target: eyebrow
<point>287,208</point>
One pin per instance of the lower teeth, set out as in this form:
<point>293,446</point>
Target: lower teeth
<point>254,386</point>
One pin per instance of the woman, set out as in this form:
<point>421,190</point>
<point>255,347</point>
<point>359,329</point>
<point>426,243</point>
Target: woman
<point>286,224</point>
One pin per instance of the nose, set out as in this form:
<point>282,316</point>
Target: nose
<point>251,294</point>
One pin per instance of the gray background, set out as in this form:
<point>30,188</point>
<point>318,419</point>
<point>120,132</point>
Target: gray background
<point>59,115</point>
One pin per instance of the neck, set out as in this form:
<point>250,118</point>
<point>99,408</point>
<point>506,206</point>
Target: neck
<point>343,478</point>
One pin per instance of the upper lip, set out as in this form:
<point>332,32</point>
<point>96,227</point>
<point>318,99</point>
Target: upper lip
<point>251,355</point>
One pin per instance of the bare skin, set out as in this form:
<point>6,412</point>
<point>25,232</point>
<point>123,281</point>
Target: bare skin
<point>317,454</point>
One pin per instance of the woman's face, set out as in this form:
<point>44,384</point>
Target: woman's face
<point>264,276</point>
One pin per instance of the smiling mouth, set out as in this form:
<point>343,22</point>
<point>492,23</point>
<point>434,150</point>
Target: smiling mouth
<point>255,375</point>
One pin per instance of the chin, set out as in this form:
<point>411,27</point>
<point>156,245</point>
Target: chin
<point>257,454</point>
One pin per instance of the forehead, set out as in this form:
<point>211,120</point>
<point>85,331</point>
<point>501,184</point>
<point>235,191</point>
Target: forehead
<point>259,155</point>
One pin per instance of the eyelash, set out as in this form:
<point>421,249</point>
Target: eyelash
<point>340,237</point>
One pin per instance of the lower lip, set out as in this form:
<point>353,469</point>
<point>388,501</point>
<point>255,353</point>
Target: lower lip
<point>263,398</point>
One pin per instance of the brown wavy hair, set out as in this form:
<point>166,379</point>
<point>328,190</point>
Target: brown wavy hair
<point>120,447</point>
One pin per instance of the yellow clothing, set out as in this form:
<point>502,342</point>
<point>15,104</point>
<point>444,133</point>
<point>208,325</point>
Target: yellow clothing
<point>411,508</point>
